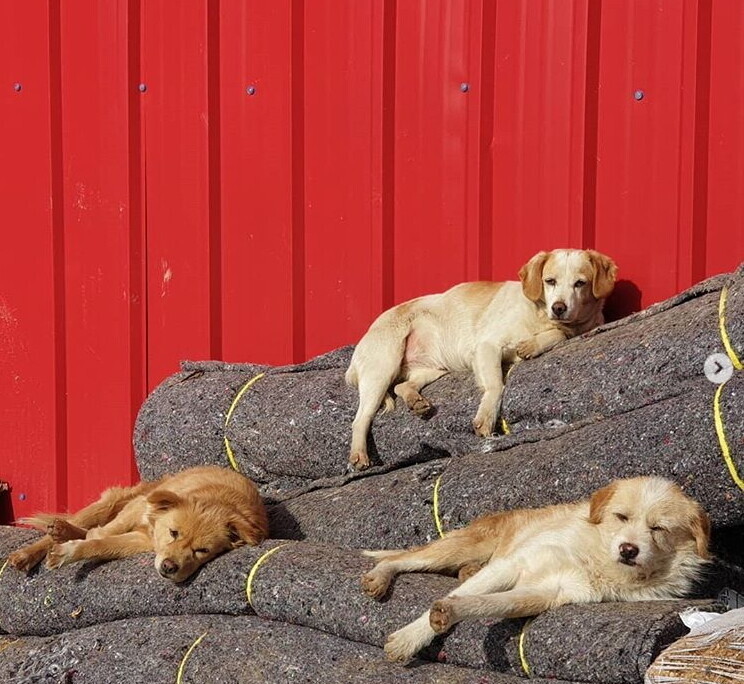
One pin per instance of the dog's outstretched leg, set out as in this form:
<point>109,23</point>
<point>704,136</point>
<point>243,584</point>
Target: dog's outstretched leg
<point>98,513</point>
<point>488,373</point>
<point>449,554</point>
<point>498,575</point>
<point>107,548</point>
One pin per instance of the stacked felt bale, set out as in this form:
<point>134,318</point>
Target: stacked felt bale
<point>317,586</point>
<point>674,438</point>
<point>643,359</point>
<point>289,427</point>
<point>212,648</point>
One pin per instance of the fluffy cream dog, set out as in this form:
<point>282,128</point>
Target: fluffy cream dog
<point>475,326</point>
<point>635,540</point>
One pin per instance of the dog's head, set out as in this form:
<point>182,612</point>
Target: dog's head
<point>571,282</point>
<point>187,533</point>
<point>645,522</point>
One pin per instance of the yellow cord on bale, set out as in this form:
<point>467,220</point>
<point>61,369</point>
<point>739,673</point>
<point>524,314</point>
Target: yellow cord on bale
<point>721,432</point>
<point>717,415</point>
<point>435,507</point>
<point>522,654</point>
<point>724,335</point>
<point>182,666</point>
<point>243,389</point>
<point>256,565</point>
<point>2,569</point>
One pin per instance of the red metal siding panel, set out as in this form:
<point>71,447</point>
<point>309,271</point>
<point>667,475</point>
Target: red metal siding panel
<point>260,309</point>
<point>32,390</point>
<point>725,234</point>
<point>539,103</point>
<point>99,297</point>
<point>175,120</point>
<point>436,146</point>
<point>296,166</point>
<point>639,158</point>
<point>343,68</point>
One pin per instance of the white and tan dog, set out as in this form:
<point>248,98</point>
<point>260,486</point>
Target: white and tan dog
<point>475,326</point>
<point>637,539</point>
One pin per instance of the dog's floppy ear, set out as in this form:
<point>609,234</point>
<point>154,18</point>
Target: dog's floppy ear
<point>605,274</point>
<point>162,500</point>
<point>700,530</point>
<point>242,531</point>
<point>531,276</point>
<point>599,501</point>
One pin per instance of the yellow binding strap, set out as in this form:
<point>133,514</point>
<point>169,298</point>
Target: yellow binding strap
<point>243,389</point>
<point>186,656</point>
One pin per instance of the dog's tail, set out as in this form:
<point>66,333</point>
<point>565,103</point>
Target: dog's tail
<point>381,554</point>
<point>41,521</point>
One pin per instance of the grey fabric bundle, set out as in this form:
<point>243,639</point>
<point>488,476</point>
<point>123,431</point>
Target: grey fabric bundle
<point>318,587</point>
<point>292,426</point>
<point>240,650</point>
<point>675,438</point>
<point>642,359</point>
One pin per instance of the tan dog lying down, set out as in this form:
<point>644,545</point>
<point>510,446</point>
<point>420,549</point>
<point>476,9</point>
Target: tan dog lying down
<point>187,519</point>
<point>635,540</point>
<point>475,326</point>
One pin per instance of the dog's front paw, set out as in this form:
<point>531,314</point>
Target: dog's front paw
<point>375,584</point>
<point>399,647</point>
<point>60,554</point>
<point>441,615</point>
<point>527,349</point>
<point>359,461</point>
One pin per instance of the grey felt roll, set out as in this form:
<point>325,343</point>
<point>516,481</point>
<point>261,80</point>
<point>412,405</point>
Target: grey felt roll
<point>292,426</point>
<point>207,649</point>
<point>645,358</point>
<point>317,586</point>
<point>676,438</point>
<point>89,593</point>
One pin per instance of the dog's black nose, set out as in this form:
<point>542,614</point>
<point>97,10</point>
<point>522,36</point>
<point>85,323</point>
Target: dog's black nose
<point>168,567</point>
<point>559,308</point>
<point>628,551</point>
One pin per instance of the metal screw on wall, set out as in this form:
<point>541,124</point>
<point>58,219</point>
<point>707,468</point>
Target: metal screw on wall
<point>639,95</point>
<point>251,90</point>
<point>142,87</point>
<point>464,87</point>
<point>17,87</point>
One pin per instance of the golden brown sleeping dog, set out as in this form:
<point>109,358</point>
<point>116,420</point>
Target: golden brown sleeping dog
<point>475,326</point>
<point>187,519</point>
<point>635,540</point>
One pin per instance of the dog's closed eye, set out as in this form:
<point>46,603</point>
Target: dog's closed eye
<point>174,534</point>
<point>621,517</point>
<point>658,528</point>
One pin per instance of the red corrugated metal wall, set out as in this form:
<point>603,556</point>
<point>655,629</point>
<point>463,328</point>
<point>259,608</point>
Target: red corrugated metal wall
<point>257,179</point>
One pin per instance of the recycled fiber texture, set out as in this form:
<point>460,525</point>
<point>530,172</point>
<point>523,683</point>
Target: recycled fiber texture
<point>292,426</point>
<point>317,586</point>
<point>676,438</point>
<point>645,358</point>
<point>212,648</point>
